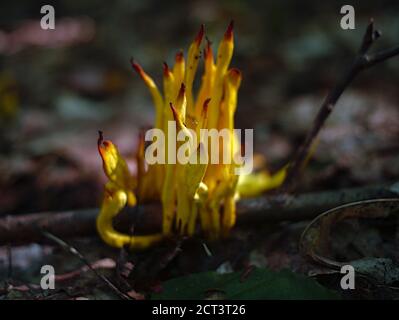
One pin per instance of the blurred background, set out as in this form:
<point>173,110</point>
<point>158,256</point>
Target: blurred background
<point>59,87</point>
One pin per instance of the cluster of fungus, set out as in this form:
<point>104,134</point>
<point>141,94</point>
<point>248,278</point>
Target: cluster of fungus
<point>202,193</point>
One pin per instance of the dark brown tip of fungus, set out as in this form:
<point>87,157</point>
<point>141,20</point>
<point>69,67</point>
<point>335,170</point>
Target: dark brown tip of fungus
<point>200,34</point>
<point>229,32</point>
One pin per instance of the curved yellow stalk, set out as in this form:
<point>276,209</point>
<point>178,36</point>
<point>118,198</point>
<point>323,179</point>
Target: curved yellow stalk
<point>118,193</point>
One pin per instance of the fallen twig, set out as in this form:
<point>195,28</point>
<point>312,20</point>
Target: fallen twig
<point>147,218</point>
<point>362,61</point>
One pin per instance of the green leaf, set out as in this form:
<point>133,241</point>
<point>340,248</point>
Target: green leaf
<point>259,284</point>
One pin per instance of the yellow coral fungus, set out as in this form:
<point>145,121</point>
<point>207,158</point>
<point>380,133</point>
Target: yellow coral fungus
<point>190,191</point>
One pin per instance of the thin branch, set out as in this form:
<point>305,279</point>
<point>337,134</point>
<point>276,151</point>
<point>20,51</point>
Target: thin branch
<point>382,56</point>
<point>76,253</point>
<point>362,61</point>
<point>148,218</point>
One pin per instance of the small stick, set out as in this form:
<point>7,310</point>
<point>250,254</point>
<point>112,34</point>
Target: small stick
<point>76,253</point>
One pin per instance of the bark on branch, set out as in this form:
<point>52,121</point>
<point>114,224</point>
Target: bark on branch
<point>147,218</point>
